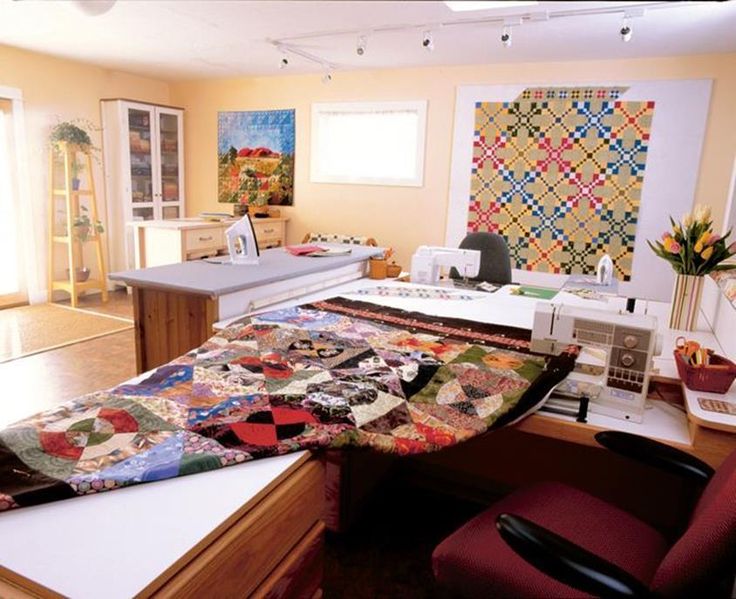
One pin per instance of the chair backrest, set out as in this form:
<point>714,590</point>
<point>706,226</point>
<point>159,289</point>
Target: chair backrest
<point>338,238</point>
<point>495,263</point>
<point>707,549</point>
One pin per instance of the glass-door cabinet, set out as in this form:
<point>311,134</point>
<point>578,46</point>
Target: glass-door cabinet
<point>143,147</point>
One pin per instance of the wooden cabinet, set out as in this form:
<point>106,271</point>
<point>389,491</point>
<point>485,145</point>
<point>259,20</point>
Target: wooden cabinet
<point>143,147</point>
<point>169,242</point>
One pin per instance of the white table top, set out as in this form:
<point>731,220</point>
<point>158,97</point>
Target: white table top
<point>115,544</point>
<point>201,277</point>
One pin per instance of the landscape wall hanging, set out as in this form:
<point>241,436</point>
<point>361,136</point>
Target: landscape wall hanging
<point>568,173</point>
<point>256,157</point>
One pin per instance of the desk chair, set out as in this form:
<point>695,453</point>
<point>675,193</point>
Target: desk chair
<point>551,540</point>
<point>337,238</point>
<point>495,263</point>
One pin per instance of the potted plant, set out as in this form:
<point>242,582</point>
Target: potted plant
<point>73,133</point>
<point>83,225</point>
<point>693,250</point>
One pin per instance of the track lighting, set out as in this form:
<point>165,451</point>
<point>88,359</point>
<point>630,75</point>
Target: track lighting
<point>361,46</point>
<point>284,63</point>
<point>626,31</point>
<point>326,78</point>
<point>427,41</point>
<point>506,36</point>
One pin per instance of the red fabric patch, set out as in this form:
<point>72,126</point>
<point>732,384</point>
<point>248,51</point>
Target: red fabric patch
<point>255,434</point>
<point>57,445</point>
<point>121,421</point>
<point>288,416</point>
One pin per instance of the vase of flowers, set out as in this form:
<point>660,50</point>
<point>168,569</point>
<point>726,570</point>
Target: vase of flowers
<point>693,250</point>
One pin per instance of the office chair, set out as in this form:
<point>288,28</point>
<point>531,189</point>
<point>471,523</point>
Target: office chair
<point>495,263</point>
<point>551,540</point>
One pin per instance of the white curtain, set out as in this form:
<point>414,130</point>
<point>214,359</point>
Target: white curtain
<point>22,228</point>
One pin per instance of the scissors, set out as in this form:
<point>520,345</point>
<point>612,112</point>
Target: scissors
<point>685,347</point>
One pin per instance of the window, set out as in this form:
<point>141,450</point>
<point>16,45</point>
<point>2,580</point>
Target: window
<point>374,143</point>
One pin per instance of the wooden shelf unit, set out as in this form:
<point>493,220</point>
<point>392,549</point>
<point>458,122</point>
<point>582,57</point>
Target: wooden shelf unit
<point>69,154</point>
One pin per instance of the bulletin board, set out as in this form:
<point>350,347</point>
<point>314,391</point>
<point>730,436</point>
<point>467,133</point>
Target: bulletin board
<point>569,172</point>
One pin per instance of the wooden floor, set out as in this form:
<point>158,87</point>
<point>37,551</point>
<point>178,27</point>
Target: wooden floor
<point>43,380</point>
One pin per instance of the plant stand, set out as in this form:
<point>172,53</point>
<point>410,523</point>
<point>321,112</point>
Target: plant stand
<point>68,154</point>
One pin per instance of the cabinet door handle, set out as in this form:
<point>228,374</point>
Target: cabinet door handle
<point>206,238</point>
<point>268,230</point>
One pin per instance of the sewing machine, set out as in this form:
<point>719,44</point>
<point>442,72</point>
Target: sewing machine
<point>629,341</point>
<point>427,262</point>
<point>241,242</point>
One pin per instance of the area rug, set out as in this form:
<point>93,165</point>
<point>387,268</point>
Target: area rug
<point>33,329</point>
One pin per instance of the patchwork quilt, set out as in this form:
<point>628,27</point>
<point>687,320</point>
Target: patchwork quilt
<point>337,373</point>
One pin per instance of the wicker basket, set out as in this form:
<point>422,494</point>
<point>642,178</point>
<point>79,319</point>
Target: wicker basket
<point>702,378</point>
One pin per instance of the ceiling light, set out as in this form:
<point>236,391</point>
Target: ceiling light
<point>626,31</point>
<point>284,63</point>
<point>506,36</point>
<point>94,8</point>
<point>361,46</point>
<point>326,78</point>
<point>468,6</point>
<point>427,41</point>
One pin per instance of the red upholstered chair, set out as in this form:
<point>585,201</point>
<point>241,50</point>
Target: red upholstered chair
<point>551,540</point>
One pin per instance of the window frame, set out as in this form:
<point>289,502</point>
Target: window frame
<point>416,180</point>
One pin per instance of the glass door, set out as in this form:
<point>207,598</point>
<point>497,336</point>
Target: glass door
<point>169,128</point>
<point>11,282</point>
<point>140,134</point>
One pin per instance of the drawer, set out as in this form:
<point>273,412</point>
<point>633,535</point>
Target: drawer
<point>200,239</point>
<point>266,231</point>
<point>240,560</point>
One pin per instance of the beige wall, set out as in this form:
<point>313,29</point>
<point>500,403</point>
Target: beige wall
<point>407,217</point>
<point>55,89</point>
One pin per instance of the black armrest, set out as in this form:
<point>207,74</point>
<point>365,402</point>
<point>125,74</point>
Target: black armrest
<point>569,563</point>
<point>656,454</point>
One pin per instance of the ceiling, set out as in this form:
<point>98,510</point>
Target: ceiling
<point>193,39</point>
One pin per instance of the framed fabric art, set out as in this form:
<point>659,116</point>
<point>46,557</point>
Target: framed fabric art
<point>256,157</point>
<point>568,173</point>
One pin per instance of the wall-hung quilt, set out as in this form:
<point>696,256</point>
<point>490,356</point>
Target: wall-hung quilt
<point>568,173</point>
<point>338,373</point>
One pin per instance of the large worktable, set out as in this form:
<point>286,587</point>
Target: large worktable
<point>176,305</point>
<point>256,529</point>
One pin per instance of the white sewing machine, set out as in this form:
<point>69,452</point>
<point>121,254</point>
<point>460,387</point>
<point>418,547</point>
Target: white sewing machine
<point>427,262</point>
<point>241,242</point>
<point>629,341</point>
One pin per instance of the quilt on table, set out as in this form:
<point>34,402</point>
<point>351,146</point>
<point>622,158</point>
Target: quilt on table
<point>332,374</point>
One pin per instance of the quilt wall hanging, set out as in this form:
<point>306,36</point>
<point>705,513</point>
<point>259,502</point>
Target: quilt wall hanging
<point>338,373</point>
<point>255,157</point>
<point>568,173</point>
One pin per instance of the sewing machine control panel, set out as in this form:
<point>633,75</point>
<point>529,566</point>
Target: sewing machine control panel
<point>628,351</point>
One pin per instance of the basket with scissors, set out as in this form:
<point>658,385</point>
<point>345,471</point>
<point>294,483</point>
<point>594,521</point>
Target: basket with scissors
<point>701,369</point>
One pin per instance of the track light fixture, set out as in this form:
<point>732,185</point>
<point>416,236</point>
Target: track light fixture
<point>427,41</point>
<point>284,63</point>
<point>327,78</point>
<point>626,31</point>
<point>361,46</point>
<point>506,36</point>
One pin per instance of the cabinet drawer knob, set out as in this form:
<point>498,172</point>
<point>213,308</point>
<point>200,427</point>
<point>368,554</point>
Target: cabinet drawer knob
<point>209,238</point>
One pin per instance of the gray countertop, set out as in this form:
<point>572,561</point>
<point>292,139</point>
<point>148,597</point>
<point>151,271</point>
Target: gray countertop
<point>205,278</point>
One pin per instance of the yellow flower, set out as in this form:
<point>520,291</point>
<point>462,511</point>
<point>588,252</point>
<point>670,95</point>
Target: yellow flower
<point>698,246</point>
<point>687,220</point>
<point>702,213</point>
<point>707,253</point>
